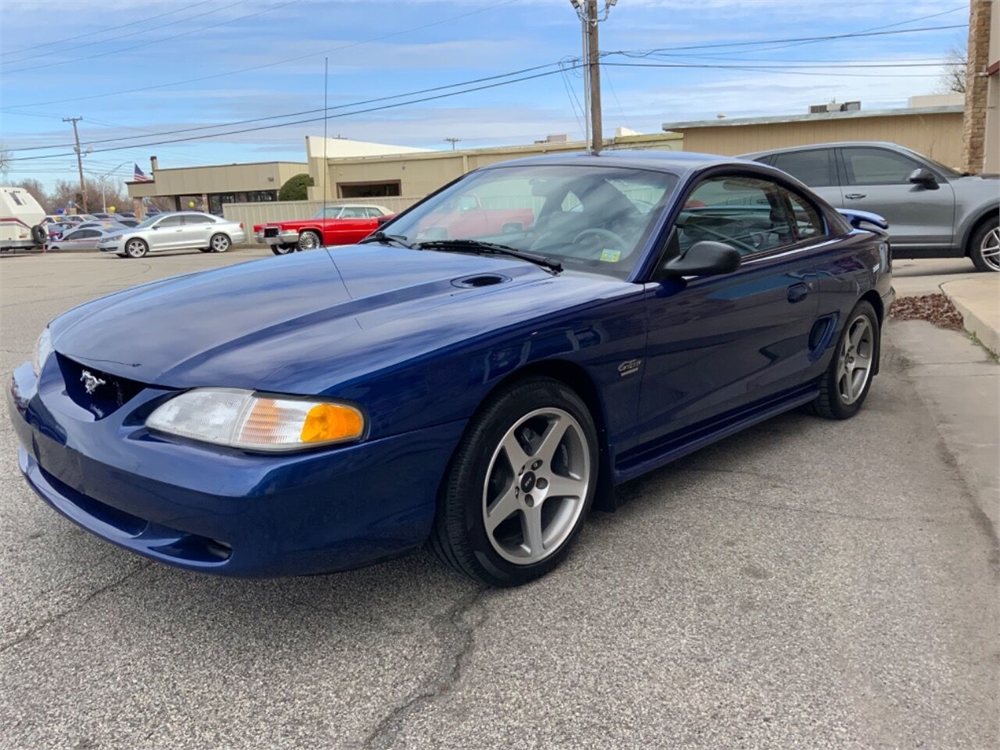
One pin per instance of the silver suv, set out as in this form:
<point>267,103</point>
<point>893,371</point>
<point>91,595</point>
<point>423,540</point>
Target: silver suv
<point>933,211</point>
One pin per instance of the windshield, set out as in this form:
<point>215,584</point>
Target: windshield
<point>330,212</point>
<point>586,217</point>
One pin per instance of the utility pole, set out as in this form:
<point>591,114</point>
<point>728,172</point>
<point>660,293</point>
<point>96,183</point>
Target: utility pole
<point>594,75</point>
<point>452,141</point>
<point>586,11</point>
<point>79,159</point>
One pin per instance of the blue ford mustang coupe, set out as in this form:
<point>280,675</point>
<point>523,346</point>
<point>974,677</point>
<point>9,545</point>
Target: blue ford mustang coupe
<point>470,377</point>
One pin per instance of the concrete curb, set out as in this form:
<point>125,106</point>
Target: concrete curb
<point>979,302</point>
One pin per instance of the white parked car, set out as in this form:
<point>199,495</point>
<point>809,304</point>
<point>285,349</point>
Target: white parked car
<point>182,230</point>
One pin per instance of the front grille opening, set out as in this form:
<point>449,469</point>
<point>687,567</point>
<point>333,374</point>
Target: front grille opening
<point>108,392</point>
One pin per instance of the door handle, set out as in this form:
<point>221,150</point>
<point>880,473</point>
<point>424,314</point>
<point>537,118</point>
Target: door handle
<point>855,196</point>
<point>798,292</point>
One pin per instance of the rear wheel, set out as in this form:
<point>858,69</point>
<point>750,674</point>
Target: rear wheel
<point>136,248</point>
<point>984,246</point>
<point>220,243</point>
<point>309,240</point>
<point>845,384</point>
<point>520,485</point>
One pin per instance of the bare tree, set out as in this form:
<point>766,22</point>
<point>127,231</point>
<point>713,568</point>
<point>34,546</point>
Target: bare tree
<point>5,164</point>
<point>953,78</point>
<point>37,191</point>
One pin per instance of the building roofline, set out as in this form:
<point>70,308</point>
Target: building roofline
<point>818,116</point>
<point>235,164</point>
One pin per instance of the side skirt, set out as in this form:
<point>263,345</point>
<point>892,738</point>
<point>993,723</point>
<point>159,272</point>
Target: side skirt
<point>674,446</point>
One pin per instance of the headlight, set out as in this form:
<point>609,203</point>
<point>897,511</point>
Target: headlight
<point>43,348</point>
<point>112,239</point>
<point>242,419</point>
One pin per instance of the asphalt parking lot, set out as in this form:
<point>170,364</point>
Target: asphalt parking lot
<point>806,584</point>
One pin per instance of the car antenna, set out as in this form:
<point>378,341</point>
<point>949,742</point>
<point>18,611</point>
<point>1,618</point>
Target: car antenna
<point>326,111</point>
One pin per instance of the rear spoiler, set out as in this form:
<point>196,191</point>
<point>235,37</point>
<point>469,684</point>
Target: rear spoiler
<point>857,218</point>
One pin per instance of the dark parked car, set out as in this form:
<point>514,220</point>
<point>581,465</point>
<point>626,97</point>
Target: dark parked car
<point>474,393</point>
<point>933,211</point>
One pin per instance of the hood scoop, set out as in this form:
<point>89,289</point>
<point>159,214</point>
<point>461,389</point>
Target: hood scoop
<point>479,280</point>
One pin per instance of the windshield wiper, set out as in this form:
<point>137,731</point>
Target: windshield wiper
<point>387,239</point>
<point>490,248</point>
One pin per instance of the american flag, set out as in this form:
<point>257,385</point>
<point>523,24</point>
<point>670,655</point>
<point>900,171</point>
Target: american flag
<point>140,176</point>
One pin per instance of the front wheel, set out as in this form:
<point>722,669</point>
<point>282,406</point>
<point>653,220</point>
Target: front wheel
<point>309,240</point>
<point>520,485</point>
<point>136,248</point>
<point>984,246</point>
<point>282,249</point>
<point>844,386</point>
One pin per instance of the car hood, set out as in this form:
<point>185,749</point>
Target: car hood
<point>296,324</point>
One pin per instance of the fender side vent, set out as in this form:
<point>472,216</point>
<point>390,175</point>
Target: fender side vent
<point>485,279</point>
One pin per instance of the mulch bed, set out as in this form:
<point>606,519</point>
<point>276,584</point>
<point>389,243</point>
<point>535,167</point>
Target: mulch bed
<point>934,308</point>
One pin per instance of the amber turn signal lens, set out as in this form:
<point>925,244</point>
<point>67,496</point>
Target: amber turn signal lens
<point>328,422</point>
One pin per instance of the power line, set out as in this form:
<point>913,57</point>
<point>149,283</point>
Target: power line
<point>305,111</point>
<point>100,41</point>
<point>311,119</point>
<point>824,38</point>
<point>266,65</point>
<point>163,39</point>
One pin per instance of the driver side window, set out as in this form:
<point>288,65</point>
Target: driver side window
<point>745,212</point>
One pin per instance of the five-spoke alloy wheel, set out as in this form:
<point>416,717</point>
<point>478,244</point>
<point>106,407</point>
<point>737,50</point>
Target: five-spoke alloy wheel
<point>520,484</point>
<point>136,248</point>
<point>845,384</point>
<point>220,243</point>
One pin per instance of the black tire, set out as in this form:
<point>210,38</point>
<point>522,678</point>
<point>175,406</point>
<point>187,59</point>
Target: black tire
<point>831,403</point>
<point>986,234</point>
<point>309,240</point>
<point>283,249</point>
<point>459,537</point>
<point>39,235</point>
<point>219,243</point>
<point>136,248</point>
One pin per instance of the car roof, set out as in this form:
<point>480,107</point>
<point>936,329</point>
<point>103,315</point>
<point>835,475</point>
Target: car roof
<point>676,162</point>
<point>816,146</point>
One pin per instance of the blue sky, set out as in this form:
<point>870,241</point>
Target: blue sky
<point>133,68</point>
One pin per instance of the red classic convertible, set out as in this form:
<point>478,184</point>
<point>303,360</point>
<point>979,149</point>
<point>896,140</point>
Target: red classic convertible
<point>333,225</point>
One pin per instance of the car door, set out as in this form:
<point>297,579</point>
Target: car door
<point>878,180</point>
<point>166,234</point>
<point>197,231</point>
<point>354,225</point>
<point>718,344</point>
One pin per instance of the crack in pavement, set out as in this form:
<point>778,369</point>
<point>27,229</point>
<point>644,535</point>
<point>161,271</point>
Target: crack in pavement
<point>457,637</point>
<point>144,565</point>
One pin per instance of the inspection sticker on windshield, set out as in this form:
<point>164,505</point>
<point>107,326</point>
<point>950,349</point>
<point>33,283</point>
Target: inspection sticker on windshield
<point>611,256</point>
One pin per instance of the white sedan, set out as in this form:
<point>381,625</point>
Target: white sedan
<point>183,230</point>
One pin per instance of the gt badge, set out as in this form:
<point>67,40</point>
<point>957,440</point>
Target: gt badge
<point>90,381</point>
<point>628,367</point>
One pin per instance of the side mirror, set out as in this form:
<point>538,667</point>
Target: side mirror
<point>925,177</point>
<point>382,220</point>
<point>705,258</point>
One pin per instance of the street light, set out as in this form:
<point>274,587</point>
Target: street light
<point>101,179</point>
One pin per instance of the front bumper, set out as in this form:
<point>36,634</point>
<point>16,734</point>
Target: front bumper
<point>108,246</point>
<point>290,237</point>
<point>218,510</point>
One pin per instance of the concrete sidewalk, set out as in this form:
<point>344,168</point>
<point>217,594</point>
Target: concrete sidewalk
<point>978,299</point>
